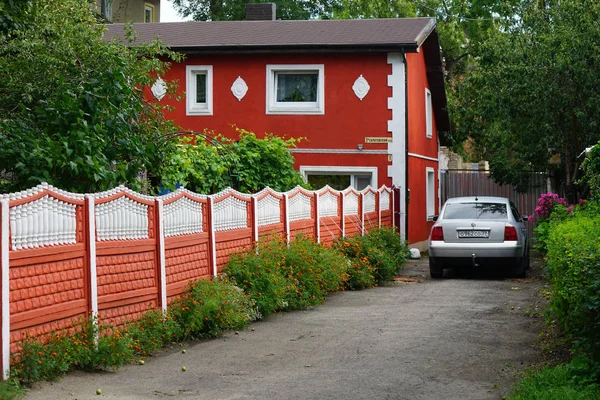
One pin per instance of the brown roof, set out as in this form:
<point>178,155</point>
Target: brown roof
<point>374,34</point>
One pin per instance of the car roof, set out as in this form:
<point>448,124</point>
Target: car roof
<point>479,199</point>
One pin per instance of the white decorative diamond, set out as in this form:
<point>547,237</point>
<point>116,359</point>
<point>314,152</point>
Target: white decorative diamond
<point>361,87</point>
<point>239,88</point>
<point>159,89</point>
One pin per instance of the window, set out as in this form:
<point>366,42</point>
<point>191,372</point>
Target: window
<point>430,193</point>
<point>199,90</point>
<point>483,211</point>
<point>106,9</point>
<point>295,89</point>
<point>148,13</point>
<point>428,114</point>
<point>339,178</point>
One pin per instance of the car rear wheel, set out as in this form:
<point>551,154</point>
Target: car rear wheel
<point>434,269</point>
<point>519,268</point>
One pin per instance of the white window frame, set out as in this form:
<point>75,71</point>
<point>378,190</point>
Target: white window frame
<point>275,107</point>
<point>429,193</point>
<point>149,7</point>
<point>306,170</point>
<point>192,107</point>
<point>428,114</point>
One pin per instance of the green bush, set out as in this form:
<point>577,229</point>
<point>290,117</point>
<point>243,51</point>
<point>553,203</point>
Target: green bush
<point>279,277</point>
<point>574,264</point>
<point>375,257</point>
<point>52,355</point>
<point>211,307</point>
<point>153,331</point>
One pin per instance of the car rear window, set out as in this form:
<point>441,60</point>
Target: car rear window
<point>475,211</point>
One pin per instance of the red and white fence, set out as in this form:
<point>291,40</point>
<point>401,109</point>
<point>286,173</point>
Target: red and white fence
<point>118,253</point>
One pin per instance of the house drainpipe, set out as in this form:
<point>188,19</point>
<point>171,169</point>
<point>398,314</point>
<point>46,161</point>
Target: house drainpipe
<point>406,190</point>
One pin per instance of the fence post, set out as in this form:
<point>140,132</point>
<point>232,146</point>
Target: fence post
<point>91,254</point>
<point>254,222</point>
<point>342,214</point>
<point>286,218</point>
<point>162,268</point>
<point>4,261</point>
<point>317,219</point>
<point>212,250</point>
<point>361,204</point>
<point>378,208</point>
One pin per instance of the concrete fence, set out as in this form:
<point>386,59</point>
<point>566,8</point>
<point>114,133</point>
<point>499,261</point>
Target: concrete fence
<point>118,253</point>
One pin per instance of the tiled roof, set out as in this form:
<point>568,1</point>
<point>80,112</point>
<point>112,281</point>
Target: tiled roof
<point>384,34</point>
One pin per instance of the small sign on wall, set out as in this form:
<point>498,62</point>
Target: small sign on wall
<point>378,140</point>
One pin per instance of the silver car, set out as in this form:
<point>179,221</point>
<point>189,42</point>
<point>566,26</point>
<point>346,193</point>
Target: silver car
<point>477,232</point>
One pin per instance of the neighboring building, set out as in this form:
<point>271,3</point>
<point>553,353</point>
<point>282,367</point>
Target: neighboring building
<point>123,11</point>
<point>368,95</point>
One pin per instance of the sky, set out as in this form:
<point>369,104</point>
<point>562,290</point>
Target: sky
<point>168,14</point>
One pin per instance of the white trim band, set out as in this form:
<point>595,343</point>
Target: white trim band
<point>423,157</point>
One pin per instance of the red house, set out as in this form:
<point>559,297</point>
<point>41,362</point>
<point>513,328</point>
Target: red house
<point>367,94</point>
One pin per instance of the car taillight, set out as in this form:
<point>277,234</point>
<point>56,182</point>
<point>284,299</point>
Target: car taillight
<point>437,233</point>
<point>510,233</point>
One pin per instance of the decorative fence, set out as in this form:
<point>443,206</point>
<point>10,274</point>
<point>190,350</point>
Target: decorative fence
<point>118,253</point>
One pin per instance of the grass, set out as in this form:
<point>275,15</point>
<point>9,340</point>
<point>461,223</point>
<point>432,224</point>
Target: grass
<point>562,382</point>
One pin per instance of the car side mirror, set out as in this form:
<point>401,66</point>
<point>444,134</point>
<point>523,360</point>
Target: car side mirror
<point>435,218</point>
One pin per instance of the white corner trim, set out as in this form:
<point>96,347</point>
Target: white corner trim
<point>423,157</point>
<point>4,249</point>
<point>361,87</point>
<point>397,126</point>
<point>239,88</point>
<point>287,108</point>
<point>162,258</point>
<point>306,170</point>
<point>193,108</point>
<point>337,151</point>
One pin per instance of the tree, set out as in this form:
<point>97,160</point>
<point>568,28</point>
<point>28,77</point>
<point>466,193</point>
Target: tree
<point>220,10</point>
<point>210,166</point>
<point>72,105</point>
<point>530,101</point>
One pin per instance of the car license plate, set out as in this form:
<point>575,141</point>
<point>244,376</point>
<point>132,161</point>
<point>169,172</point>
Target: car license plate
<point>473,234</point>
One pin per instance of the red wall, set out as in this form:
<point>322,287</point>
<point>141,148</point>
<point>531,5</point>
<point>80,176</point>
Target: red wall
<point>418,143</point>
<point>346,122</point>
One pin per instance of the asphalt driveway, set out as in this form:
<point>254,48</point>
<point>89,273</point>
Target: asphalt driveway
<point>458,338</point>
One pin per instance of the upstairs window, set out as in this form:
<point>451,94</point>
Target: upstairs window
<point>295,89</point>
<point>148,13</point>
<point>428,114</point>
<point>199,89</point>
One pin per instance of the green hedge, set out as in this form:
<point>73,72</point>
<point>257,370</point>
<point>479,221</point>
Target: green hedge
<point>574,263</point>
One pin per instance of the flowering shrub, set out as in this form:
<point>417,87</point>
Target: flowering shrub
<point>279,277</point>
<point>211,307</point>
<point>375,257</point>
<point>52,355</point>
<point>546,204</point>
<point>550,207</point>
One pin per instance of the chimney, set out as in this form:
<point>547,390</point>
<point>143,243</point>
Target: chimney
<point>260,11</point>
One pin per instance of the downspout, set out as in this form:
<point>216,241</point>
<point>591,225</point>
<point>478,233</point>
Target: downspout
<point>406,190</point>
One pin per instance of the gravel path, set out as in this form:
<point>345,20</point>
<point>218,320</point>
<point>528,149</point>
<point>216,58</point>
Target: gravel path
<point>459,338</point>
